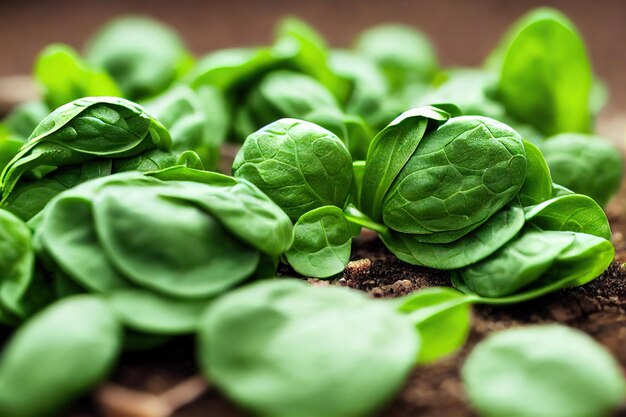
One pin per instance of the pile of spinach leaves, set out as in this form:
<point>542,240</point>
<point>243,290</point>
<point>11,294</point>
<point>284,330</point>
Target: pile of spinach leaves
<point>116,233</point>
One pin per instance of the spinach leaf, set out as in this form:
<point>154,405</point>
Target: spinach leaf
<point>57,356</point>
<point>9,147</point>
<point>171,241</point>
<point>302,47</point>
<point>545,73</point>
<point>463,173</point>
<point>228,69</point>
<point>369,87</point>
<point>543,371</point>
<point>190,118</point>
<point>433,310</point>
<point>149,313</point>
<point>585,164</point>
<point>289,94</point>
<point>403,54</point>
<point>471,90</point>
<point>86,131</point>
<point>143,56</point>
<point>299,165</point>
<point>17,262</point>
<point>390,150</point>
<point>570,212</point>
<point>566,243</point>
<point>65,77</point>
<point>277,347</point>
<point>471,248</point>
<point>537,186</point>
<point>322,243</point>
<point>24,118</point>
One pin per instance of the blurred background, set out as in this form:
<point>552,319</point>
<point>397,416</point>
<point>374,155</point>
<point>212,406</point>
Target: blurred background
<point>463,32</point>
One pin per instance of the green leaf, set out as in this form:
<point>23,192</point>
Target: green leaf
<point>390,150</point>
<point>282,94</point>
<point>573,212</point>
<point>369,87</point>
<point>404,54</point>
<point>154,314</point>
<point>545,73</point>
<point>471,248</point>
<point>143,55</point>
<point>516,265</point>
<point>57,356</point>
<point>299,165</point>
<point>17,262</point>
<point>196,255</point>
<point>228,69</point>
<point>24,118</point>
<point>65,77</point>
<point>534,264</point>
<point>181,112</point>
<point>304,48</point>
<point>543,371</point>
<point>322,243</point>
<point>237,203</point>
<point>9,147</point>
<point>442,318</point>
<point>458,176</point>
<point>84,131</point>
<point>586,164</point>
<point>277,347</point>
<point>468,88</point>
<point>537,186</point>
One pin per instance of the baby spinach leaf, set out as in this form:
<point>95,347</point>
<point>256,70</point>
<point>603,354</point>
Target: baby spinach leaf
<point>585,164</point>
<point>306,50</point>
<point>542,371</point>
<point>289,94</point>
<point>65,77</point>
<point>143,56</point>
<point>228,69</point>
<point>536,263</point>
<point>9,147</point>
<point>299,165</point>
<point>197,256</point>
<point>442,319</point>
<point>185,114</point>
<point>471,248</point>
<point>179,240</point>
<point>545,73</point>
<point>237,203</point>
<point>537,186</point>
<point>566,243</point>
<point>278,346</point>
<point>17,262</point>
<point>390,150</point>
<point>83,131</point>
<point>469,89</point>
<point>369,87</point>
<point>322,243</point>
<point>150,313</point>
<point>571,212</point>
<point>24,118</point>
<point>57,356</point>
<point>518,264</point>
<point>458,176</point>
<point>403,54</point>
